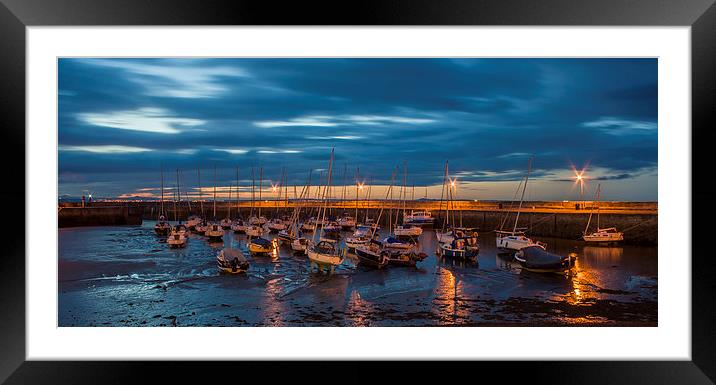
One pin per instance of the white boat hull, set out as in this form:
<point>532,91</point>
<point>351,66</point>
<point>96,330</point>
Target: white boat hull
<point>324,259</point>
<point>604,237</point>
<point>412,231</point>
<point>515,242</point>
<point>254,231</point>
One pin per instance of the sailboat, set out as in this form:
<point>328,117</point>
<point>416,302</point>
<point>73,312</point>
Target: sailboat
<point>373,253</point>
<point>177,236</point>
<point>606,235</point>
<point>226,222</point>
<point>162,227</point>
<point>516,239</point>
<point>277,224</point>
<point>238,226</point>
<point>451,229</point>
<point>406,229</point>
<point>254,228</point>
<point>292,234</point>
<point>325,254</point>
<point>214,230</point>
<point>200,226</point>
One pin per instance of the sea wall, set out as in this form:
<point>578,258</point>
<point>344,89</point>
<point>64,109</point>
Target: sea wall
<point>99,216</point>
<point>568,219</point>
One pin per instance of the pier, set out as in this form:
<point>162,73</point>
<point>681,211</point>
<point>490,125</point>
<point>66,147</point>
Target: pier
<point>99,215</point>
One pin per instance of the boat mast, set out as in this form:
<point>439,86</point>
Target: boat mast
<point>186,194</point>
<point>253,192</point>
<point>238,210</point>
<point>162,174</point>
<point>176,196</point>
<point>214,191</point>
<point>442,195</point>
<point>387,193</point>
<point>345,174</point>
<point>228,213</point>
<point>589,221</point>
<point>201,198</point>
<point>519,208</point>
<point>357,172</point>
<point>405,192</point>
<point>599,191</point>
<point>261,185</point>
<point>322,215</point>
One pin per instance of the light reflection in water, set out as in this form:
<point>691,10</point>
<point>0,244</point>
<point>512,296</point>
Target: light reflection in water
<point>447,293</point>
<point>359,310</point>
<point>272,305</point>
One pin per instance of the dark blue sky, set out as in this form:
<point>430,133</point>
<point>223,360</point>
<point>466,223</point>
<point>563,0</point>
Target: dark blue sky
<point>119,119</point>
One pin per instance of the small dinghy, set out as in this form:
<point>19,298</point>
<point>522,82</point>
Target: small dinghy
<point>260,246</point>
<point>232,261</point>
<point>537,259</point>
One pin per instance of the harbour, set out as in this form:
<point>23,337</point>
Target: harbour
<point>127,276</point>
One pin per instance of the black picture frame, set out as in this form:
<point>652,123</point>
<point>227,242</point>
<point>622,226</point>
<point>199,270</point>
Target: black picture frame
<point>16,15</point>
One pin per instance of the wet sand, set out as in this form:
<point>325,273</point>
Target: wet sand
<point>128,276</point>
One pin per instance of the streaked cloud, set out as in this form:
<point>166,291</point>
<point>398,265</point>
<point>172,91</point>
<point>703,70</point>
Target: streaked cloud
<point>277,151</point>
<point>342,120</point>
<point>233,151</point>
<point>149,119</point>
<point>618,126</point>
<point>105,149</point>
<point>177,80</point>
<point>335,137</point>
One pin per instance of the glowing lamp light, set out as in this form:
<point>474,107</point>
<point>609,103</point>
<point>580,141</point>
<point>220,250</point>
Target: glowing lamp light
<point>360,186</point>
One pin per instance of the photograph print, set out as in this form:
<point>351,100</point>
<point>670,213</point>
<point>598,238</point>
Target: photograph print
<point>200,192</point>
